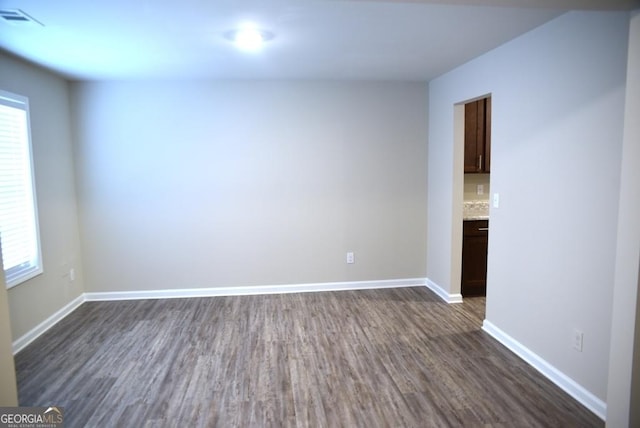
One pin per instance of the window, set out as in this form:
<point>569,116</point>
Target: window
<point>18,213</point>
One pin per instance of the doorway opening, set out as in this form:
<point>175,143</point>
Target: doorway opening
<point>474,138</point>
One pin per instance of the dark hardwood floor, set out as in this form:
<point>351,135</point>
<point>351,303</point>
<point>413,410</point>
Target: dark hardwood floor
<point>371,358</point>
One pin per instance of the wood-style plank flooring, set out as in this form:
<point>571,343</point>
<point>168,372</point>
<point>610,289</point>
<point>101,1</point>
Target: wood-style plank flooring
<point>371,358</point>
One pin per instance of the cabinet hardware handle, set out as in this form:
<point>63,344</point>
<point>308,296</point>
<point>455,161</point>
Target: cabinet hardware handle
<point>480,163</point>
<point>483,229</point>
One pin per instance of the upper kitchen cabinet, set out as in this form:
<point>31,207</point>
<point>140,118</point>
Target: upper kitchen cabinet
<point>477,136</point>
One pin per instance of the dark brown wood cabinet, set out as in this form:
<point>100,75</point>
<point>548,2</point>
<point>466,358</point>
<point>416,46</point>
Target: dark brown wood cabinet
<point>477,136</point>
<point>474,257</point>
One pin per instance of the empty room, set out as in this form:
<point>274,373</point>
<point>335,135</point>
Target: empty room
<point>320,213</point>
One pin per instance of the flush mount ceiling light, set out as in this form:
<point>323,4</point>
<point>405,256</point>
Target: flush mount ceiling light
<point>248,38</point>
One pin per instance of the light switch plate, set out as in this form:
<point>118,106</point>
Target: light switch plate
<point>496,200</point>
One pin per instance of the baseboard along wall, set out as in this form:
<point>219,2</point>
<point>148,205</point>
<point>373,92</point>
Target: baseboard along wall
<point>568,385</point>
<point>20,343</point>
<point>443,294</point>
<point>255,290</point>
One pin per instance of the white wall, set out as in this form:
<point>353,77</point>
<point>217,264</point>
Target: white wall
<point>557,118</point>
<point>196,184</point>
<point>624,364</point>
<point>34,301</point>
<point>8,386</point>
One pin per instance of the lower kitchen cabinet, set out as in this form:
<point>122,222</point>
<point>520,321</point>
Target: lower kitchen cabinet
<point>474,257</point>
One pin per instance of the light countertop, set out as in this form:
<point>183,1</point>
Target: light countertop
<point>475,210</point>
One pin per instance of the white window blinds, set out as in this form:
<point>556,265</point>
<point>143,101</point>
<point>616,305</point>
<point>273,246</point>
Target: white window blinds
<point>18,214</point>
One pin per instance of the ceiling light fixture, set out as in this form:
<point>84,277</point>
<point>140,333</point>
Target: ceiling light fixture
<point>249,38</point>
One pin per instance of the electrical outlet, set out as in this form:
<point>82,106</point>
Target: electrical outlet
<point>480,189</point>
<point>496,200</point>
<point>578,337</point>
<point>350,258</point>
<point>72,274</point>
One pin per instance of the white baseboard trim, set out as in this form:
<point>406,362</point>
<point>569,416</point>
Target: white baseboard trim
<point>571,387</point>
<point>254,289</point>
<point>20,343</point>
<point>449,298</point>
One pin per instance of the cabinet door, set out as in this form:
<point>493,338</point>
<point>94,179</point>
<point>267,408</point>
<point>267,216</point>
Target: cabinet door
<point>471,146</point>
<point>474,136</point>
<point>474,258</point>
<point>487,135</point>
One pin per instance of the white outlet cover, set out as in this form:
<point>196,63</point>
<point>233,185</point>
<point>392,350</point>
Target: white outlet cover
<point>578,338</point>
